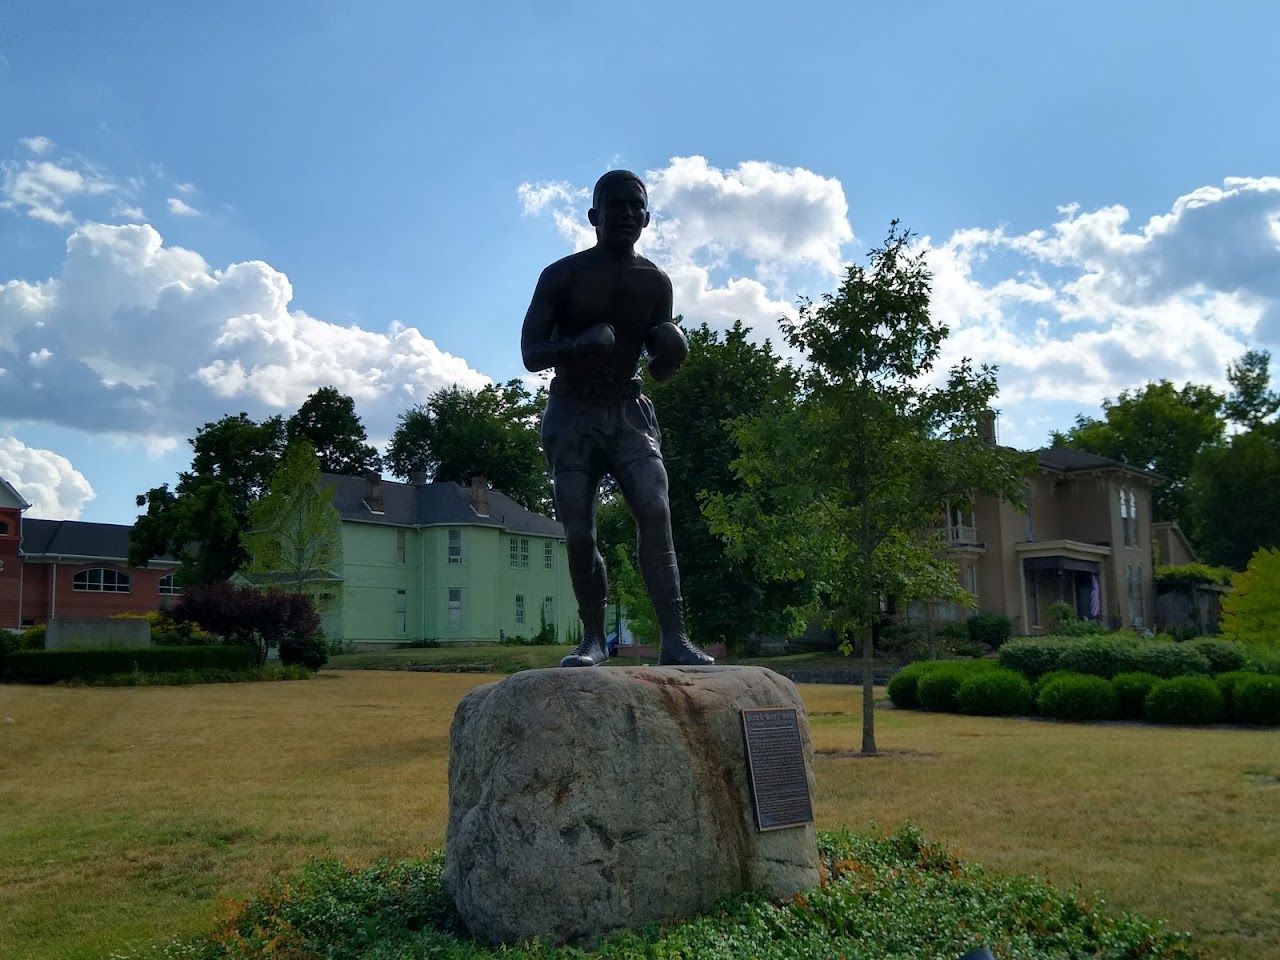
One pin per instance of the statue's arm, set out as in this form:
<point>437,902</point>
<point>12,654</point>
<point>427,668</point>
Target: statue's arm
<point>539,346</point>
<point>665,341</point>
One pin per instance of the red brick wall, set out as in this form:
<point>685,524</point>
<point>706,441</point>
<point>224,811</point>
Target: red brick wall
<point>40,600</point>
<point>10,576</point>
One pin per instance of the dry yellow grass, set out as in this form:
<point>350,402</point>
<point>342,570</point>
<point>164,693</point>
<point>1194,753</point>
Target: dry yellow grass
<point>126,814</point>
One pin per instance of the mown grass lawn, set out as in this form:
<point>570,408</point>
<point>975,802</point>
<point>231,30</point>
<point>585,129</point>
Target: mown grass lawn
<point>126,815</point>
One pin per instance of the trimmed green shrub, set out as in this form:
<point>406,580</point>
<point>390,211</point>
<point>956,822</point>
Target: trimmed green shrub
<point>937,689</point>
<point>1078,696</point>
<point>1032,656</point>
<point>184,678</point>
<point>1059,612</point>
<point>990,629</point>
<point>995,693</point>
<point>966,648</point>
<point>1257,701</point>
<point>1080,628</point>
<point>1170,660</point>
<point>311,652</point>
<point>1131,691</point>
<point>1227,683</point>
<point>1097,656</point>
<point>902,685</point>
<point>1223,655</point>
<point>1191,700</point>
<point>49,666</point>
<point>1263,660</point>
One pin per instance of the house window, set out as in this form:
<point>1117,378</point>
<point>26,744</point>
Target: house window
<point>520,609</point>
<point>101,580</point>
<point>1133,515</point>
<point>1033,598</point>
<point>4,528</point>
<point>1029,533</point>
<point>548,555</point>
<point>400,546</point>
<point>519,552</point>
<point>455,606</point>
<point>549,611</point>
<point>455,546</point>
<point>402,612</point>
<point>169,586</point>
<point>1129,516</point>
<point>1139,614</point>
<point>971,579</point>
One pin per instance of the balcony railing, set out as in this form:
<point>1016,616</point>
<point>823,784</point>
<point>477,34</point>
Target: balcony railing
<point>957,533</point>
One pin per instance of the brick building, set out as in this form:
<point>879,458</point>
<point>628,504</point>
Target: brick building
<point>69,568</point>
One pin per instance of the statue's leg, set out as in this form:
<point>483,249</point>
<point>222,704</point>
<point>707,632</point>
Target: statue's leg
<point>644,486</point>
<point>575,494</point>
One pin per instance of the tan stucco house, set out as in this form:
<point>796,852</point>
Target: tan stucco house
<point>1085,538</point>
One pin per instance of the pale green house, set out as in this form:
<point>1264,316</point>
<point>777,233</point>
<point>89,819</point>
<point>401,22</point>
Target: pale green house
<point>444,562</point>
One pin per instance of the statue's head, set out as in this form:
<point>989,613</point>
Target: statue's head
<point>619,207</point>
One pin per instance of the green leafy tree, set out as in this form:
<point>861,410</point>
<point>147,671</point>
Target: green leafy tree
<point>1251,611</point>
<point>722,379</point>
<point>843,481</point>
<point>1159,427</point>
<point>328,420</point>
<point>293,534</point>
<point>616,540</point>
<point>1251,401</point>
<point>1234,497</point>
<point>491,432</point>
<point>199,521</point>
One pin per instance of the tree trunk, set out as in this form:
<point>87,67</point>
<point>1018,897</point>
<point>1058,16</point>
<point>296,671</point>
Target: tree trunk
<point>868,692</point>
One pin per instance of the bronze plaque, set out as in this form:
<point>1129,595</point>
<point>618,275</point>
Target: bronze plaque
<point>775,766</point>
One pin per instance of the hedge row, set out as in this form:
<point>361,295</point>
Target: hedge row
<point>1107,656</point>
<point>50,666</point>
<point>985,689</point>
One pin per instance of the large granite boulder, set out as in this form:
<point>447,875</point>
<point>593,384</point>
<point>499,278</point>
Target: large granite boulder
<point>586,800</point>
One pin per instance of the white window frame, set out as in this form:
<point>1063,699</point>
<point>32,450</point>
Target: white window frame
<point>548,555</point>
<point>402,546</point>
<point>168,586</point>
<point>106,581</point>
<point>549,610</point>
<point>455,606</point>
<point>455,545</point>
<point>520,609</point>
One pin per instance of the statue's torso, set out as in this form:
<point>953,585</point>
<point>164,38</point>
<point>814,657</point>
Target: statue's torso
<point>627,296</point>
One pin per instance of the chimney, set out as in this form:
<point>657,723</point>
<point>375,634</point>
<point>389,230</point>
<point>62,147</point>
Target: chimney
<point>987,426</point>
<point>480,496</point>
<point>418,476</point>
<point>373,491</point>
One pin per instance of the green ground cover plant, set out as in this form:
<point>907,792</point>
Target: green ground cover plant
<point>897,897</point>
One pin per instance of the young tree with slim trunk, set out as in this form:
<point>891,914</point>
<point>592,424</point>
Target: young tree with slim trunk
<point>844,481</point>
<point>294,528</point>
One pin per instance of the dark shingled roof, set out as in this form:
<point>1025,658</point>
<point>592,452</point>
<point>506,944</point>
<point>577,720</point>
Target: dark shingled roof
<point>1067,460</point>
<point>76,538</point>
<point>410,505</point>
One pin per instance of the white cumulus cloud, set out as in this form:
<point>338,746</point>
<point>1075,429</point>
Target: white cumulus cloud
<point>147,340</point>
<point>37,145</point>
<point>738,243</point>
<point>42,188</point>
<point>55,489</point>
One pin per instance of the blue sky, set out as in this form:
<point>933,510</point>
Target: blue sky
<point>209,208</point>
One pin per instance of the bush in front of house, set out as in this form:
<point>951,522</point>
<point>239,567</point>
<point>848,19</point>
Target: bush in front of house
<point>247,616</point>
<point>1097,656</point>
<point>1032,657</point>
<point>1080,628</point>
<point>936,690</point>
<point>1227,683</point>
<point>1187,700</point>
<point>902,688</point>
<point>1257,700</point>
<point>1078,696</point>
<point>990,629</point>
<point>1224,656</point>
<point>311,651</point>
<point>994,693</point>
<point>1131,691</point>
<point>1167,659</point>
<point>186,678</point>
<point>50,666</point>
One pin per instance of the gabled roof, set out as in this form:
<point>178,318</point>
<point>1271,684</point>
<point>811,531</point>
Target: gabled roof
<point>10,497</point>
<point>1069,461</point>
<point>77,538</point>
<point>443,503</point>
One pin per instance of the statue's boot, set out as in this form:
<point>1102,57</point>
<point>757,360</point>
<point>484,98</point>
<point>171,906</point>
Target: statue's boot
<point>593,650</point>
<point>662,577</point>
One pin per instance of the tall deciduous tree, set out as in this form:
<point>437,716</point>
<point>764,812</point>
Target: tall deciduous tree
<point>199,521</point>
<point>844,481</point>
<point>293,530</point>
<point>1159,427</point>
<point>329,421</point>
<point>1252,401</point>
<point>722,379</point>
<point>1251,611</point>
<point>1234,497</point>
<point>491,432</point>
